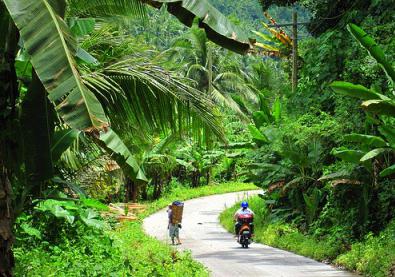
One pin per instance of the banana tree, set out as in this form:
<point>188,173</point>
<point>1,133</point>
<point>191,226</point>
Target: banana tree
<point>371,147</point>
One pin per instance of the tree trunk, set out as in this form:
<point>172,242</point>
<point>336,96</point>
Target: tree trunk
<point>144,193</point>
<point>195,178</point>
<point>8,138</point>
<point>6,222</point>
<point>128,189</point>
<point>158,186</point>
<point>135,191</point>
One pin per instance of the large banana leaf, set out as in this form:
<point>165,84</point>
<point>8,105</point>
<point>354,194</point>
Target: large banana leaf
<point>103,8</point>
<point>261,117</point>
<point>257,135</point>
<point>62,140</point>
<point>357,91</point>
<point>349,155</point>
<point>389,133</point>
<point>48,41</point>
<point>373,154</point>
<point>112,142</point>
<point>368,140</point>
<point>381,107</point>
<point>374,50</point>
<point>388,171</point>
<point>218,28</point>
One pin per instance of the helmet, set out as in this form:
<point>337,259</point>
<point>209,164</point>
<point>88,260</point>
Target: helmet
<point>244,204</point>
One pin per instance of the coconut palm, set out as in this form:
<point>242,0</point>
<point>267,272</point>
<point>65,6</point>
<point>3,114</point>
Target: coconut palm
<point>223,82</point>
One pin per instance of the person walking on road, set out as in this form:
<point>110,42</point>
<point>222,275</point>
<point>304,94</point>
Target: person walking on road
<point>174,229</point>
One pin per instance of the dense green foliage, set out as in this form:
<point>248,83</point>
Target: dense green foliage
<point>372,256</point>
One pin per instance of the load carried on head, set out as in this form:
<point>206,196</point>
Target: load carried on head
<point>177,208</point>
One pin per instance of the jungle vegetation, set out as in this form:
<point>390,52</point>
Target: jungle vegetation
<point>110,101</point>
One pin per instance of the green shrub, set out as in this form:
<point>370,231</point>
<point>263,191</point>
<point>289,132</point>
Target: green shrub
<point>373,256</point>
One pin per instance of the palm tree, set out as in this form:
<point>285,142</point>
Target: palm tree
<point>55,77</point>
<point>224,83</point>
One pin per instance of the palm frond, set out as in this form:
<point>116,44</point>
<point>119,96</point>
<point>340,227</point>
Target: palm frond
<point>154,98</point>
<point>106,8</point>
<point>226,100</point>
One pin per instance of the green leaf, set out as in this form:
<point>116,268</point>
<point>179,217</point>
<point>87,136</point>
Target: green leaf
<point>260,118</point>
<point>257,135</point>
<point>90,218</point>
<point>373,48</point>
<point>388,171</point>
<point>373,153</point>
<point>54,207</point>
<point>187,165</point>
<point>334,175</point>
<point>107,8</point>
<point>266,37</point>
<point>74,187</point>
<point>348,155</point>
<point>31,230</point>
<point>218,28</point>
<point>357,91</point>
<point>93,203</point>
<point>381,107</point>
<point>239,145</point>
<point>86,57</point>
<point>368,140</point>
<point>389,133</point>
<point>277,110</point>
<point>82,26</point>
<point>62,140</point>
<point>114,143</point>
<point>52,48</point>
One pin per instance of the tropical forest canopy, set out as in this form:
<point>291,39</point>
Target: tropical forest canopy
<point>126,101</point>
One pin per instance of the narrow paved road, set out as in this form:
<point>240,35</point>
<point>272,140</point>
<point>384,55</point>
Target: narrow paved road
<point>213,246</point>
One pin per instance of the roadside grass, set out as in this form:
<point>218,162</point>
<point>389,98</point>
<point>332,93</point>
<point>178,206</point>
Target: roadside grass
<point>373,256</point>
<point>123,251</point>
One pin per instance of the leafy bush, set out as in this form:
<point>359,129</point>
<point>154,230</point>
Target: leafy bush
<point>373,256</point>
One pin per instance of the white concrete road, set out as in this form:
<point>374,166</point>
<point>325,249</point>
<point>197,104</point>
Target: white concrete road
<point>213,246</point>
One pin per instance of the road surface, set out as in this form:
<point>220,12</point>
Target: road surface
<point>213,246</point>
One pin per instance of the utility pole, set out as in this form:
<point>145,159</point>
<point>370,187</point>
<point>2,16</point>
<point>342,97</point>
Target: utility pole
<point>294,25</point>
<point>294,51</point>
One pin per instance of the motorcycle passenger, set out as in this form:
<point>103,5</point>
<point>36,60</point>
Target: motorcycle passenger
<point>244,210</point>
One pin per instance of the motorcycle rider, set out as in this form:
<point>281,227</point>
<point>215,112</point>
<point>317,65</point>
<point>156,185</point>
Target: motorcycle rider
<point>244,210</point>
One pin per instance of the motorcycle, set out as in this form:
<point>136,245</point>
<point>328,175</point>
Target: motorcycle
<point>245,232</point>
